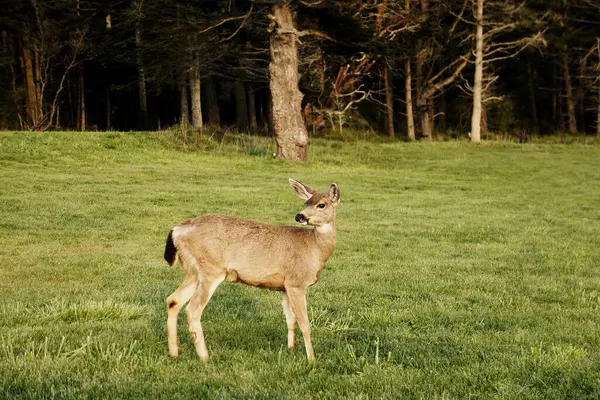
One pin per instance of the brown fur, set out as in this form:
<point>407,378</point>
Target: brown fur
<point>213,248</point>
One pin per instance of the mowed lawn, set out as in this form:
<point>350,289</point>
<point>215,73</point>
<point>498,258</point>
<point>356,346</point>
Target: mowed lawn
<point>461,271</point>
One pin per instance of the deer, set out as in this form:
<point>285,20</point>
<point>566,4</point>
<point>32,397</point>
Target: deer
<point>215,248</point>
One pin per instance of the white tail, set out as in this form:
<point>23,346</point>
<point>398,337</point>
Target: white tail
<point>214,248</point>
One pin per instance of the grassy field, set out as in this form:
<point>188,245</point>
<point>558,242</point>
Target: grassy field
<point>461,271</point>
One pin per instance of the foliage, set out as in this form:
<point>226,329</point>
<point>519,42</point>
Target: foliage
<point>502,115</point>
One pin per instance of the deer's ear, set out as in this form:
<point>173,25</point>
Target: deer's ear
<point>303,191</point>
<point>334,193</point>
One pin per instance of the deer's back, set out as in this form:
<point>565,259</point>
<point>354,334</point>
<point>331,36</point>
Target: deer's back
<point>252,252</point>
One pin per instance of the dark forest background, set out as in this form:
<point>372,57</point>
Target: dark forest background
<point>152,64</point>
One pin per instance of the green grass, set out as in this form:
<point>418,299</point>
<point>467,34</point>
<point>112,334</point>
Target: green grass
<point>461,271</point>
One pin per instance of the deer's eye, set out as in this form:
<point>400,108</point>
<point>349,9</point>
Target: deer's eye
<point>321,205</point>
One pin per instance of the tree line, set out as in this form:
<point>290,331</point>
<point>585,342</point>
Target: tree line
<point>403,68</point>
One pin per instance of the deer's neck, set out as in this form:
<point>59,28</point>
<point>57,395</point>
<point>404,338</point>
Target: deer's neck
<point>325,236</point>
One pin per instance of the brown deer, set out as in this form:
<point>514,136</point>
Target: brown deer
<point>214,248</point>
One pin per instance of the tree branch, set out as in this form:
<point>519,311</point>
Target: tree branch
<point>226,20</point>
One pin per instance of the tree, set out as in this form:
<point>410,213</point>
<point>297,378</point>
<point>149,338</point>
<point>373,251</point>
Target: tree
<point>142,94</point>
<point>504,17</point>
<point>184,110</point>
<point>433,45</point>
<point>289,129</point>
<point>410,121</point>
<point>477,81</point>
<point>196,99</point>
<point>49,54</point>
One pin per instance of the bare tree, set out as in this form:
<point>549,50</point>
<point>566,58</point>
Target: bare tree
<point>410,120</point>
<point>431,79</point>
<point>478,78</point>
<point>389,20</point>
<point>488,49</point>
<point>48,60</point>
<point>348,90</point>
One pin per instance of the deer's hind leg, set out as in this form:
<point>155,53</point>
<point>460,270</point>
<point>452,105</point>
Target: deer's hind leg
<point>175,303</point>
<point>207,283</point>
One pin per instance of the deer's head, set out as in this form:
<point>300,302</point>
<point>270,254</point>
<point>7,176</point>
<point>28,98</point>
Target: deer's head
<point>320,207</point>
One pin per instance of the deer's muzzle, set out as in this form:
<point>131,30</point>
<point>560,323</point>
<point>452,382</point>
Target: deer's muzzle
<point>301,218</point>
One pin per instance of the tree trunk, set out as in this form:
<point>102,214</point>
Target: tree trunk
<point>211,102</point>
<point>252,109</point>
<point>184,120</point>
<point>431,111</point>
<point>143,105</point>
<point>569,95</point>
<point>30,99</point>
<point>57,124</point>
<point>425,117</point>
<point>196,96</point>
<point>422,93</point>
<point>410,119</point>
<point>422,107</point>
<point>484,118</point>
<point>477,81</point>
<point>289,129</point>
<point>82,119</point>
<point>580,96</point>
<point>389,101</point>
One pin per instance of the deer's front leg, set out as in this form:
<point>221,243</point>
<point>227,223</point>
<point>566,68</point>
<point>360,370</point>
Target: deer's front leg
<point>297,301</point>
<point>290,320</point>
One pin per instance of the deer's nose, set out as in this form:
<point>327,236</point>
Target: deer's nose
<point>300,218</point>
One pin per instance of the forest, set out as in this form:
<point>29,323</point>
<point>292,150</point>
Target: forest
<point>411,69</point>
